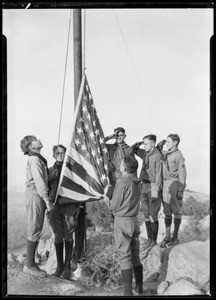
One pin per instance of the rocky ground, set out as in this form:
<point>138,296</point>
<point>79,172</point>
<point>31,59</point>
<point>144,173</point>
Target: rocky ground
<point>20,283</point>
<point>183,269</point>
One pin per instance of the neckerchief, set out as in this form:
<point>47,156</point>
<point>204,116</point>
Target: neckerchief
<point>40,156</point>
<point>165,155</point>
<point>146,166</point>
<point>119,153</point>
<point>58,166</point>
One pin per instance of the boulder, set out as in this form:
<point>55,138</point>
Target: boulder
<point>21,258</point>
<point>151,261</point>
<point>186,260</point>
<point>51,264</point>
<point>182,286</point>
<point>11,257</point>
<point>162,287</point>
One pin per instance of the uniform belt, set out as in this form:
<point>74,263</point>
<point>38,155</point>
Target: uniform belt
<point>146,181</point>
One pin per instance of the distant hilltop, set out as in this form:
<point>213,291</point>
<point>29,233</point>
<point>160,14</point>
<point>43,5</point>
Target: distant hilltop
<point>200,197</point>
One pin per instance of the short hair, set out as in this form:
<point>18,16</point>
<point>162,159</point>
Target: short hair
<point>174,137</point>
<point>119,129</point>
<point>131,164</point>
<point>58,146</point>
<point>151,137</point>
<point>25,142</point>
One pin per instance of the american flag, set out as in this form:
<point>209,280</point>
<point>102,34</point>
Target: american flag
<point>84,175</point>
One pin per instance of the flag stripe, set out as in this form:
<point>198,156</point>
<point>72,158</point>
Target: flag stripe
<point>76,196</point>
<point>77,178</point>
<point>73,186</point>
<point>82,161</point>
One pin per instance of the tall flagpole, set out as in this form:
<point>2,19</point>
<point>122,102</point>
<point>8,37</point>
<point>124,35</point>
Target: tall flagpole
<point>77,42</point>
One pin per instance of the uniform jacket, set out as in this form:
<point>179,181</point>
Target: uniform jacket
<point>126,196</point>
<point>37,176</point>
<point>53,182</point>
<point>151,168</point>
<point>116,153</point>
<point>53,185</point>
<point>174,166</point>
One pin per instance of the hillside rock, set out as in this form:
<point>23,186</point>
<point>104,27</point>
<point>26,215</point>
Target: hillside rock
<point>151,261</point>
<point>186,260</point>
<point>182,286</point>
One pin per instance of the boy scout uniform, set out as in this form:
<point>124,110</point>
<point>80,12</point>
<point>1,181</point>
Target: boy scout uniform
<point>151,177</point>
<point>174,182</point>
<point>125,207</point>
<point>36,194</point>
<point>116,153</point>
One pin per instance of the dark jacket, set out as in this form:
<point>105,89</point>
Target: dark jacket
<point>116,153</point>
<point>126,196</point>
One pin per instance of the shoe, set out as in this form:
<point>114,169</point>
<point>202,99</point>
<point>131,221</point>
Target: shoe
<point>172,242</point>
<point>36,271</point>
<point>58,272</point>
<point>164,242</point>
<point>152,244</point>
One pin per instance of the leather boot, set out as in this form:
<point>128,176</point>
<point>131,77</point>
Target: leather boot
<point>166,240</point>
<point>149,232</point>
<point>59,256</point>
<point>154,230</point>
<point>174,240</point>
<point>68,255</point>
<point>127,280</point>
<point>138,273</point>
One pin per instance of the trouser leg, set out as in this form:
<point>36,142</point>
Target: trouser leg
<point>31,249</point>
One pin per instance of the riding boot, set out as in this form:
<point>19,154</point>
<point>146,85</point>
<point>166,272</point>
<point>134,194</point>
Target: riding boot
<point>138,273</point>
<point>68,255</point>
<point>174,240</point>
<point>154,230</point>
<point>149,232</point>
<point>168,222</point>
<point>127,280</point>
<point>59,256</point>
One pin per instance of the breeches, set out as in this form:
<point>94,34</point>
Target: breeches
<point>35,208</point>
<point>150,209</point>
<point>126,235</point>
<point>172,205</point>
<point>62,222</point>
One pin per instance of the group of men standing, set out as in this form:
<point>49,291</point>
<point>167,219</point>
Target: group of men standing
<point>163,178</point>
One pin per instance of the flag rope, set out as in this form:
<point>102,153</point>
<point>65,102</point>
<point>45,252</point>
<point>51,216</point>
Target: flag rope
<point>68,39</point>
<point>137,77</point>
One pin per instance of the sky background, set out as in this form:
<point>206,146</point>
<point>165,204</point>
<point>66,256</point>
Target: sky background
<point>148,71</point>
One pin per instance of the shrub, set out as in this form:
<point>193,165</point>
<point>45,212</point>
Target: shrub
<point>103,267</point>
<point>192,207</point>
<point>194,231</point>
<point>99,215</point>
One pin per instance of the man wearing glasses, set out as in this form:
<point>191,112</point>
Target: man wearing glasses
<point>62,218</point>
